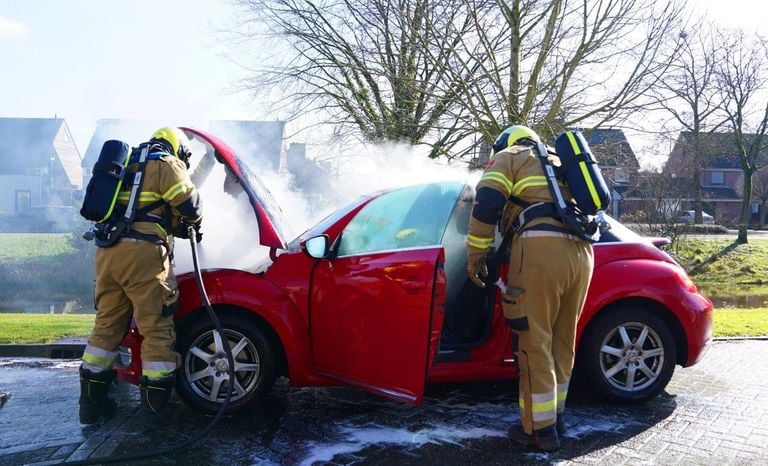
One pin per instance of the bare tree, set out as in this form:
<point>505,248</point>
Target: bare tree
<point>364,65</point>
<point>689,92</point>
<point>558,64</point>
<point>743,83</point>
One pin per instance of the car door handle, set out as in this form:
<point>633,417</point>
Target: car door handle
<point>414,285</point>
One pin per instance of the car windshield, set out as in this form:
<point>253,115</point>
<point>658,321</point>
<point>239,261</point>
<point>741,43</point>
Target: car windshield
<point>325,223</point>
<point>414,216</point>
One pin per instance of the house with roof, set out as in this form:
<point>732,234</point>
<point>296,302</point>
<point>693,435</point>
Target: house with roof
<point>40,165</point>
<point>722,179</point>
<point>618,164</point>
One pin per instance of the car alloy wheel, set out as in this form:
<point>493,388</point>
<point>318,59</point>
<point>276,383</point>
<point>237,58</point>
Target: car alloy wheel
<point>204,368</point>
<point>632,356</point>
<point>628,354</point>
<point>206,365</point>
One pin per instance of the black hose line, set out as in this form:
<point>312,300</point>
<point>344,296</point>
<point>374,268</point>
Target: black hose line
<point>228,386</point>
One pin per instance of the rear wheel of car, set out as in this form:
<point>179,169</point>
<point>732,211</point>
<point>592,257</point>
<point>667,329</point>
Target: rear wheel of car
<point>629,354</point>
<point>203,373</point>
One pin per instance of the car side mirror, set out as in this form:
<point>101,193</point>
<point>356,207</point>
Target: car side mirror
<point>316,247</point>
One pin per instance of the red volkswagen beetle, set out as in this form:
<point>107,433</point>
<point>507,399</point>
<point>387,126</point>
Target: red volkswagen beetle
<point>376,296</point>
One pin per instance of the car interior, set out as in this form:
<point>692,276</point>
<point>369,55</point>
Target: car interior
<point>468,308</point>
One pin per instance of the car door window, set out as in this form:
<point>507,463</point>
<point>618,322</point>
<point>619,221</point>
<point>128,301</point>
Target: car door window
<point>408,217</point>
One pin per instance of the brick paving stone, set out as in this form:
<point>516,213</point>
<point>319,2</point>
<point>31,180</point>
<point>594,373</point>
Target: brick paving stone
<point>711,414</point>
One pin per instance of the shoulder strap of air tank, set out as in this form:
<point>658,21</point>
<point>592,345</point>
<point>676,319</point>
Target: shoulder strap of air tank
<point>577,224</point>
<point>138,181</point>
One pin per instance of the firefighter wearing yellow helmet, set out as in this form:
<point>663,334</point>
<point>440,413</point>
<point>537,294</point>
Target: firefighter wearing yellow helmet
<point>134,277</point>
<point>550,270</point>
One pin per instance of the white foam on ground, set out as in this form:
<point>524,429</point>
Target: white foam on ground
<point>354,439</point>
<point>67,364</point>
<point>467,422</point>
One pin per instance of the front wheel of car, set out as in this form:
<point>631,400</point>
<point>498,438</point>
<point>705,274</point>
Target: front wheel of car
<point>203,373</point>
<point>628,354</point>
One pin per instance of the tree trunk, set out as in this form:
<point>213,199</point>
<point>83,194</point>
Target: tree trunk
<point>746,205</point>
<point>697,156</point>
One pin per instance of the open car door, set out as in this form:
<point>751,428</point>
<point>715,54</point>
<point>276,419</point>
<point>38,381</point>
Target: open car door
<point>376,318</point>
<point>376,303</point>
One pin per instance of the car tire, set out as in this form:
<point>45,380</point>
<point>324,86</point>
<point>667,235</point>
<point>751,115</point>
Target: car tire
<point>204,364</point>
<point>628,355</point>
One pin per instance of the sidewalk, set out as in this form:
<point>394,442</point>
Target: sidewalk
<point>711,413</point>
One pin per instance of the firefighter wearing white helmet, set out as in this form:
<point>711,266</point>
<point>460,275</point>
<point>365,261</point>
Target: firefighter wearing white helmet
<point>134,278</point>
<point>549,272</point>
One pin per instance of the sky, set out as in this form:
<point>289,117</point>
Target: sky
<point>84,60</point>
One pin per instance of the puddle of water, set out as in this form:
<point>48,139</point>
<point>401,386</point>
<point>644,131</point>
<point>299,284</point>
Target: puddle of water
<point>741,302</point>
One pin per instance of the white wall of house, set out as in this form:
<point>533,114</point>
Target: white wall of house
<point>11,184</point>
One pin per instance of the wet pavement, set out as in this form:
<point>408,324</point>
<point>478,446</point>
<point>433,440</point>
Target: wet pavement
<point>712,413</point>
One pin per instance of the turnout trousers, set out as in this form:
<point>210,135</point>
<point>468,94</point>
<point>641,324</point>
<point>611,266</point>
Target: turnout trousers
<point>545,292</point>
<point>134,275</point>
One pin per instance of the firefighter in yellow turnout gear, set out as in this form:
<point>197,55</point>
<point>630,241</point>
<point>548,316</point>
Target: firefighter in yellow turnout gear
<point>135,275</point>
<point>549,273</point>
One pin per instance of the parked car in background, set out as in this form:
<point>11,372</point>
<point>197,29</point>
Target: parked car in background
<point>376,296</point>
<point>687,216</point>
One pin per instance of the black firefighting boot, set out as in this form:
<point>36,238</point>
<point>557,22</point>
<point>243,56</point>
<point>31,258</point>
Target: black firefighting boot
<point>156,395</point>
<point>94,402</point>
<point>545,439</point>
<point>560,426</point>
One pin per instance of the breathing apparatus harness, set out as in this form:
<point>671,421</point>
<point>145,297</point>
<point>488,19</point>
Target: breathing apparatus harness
<point>191,230</point>
<point>578,223</point>
<point>118,222</point>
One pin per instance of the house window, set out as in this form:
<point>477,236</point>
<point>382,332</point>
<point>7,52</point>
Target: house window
<point>23,200</point>
<point>718,177</point>
<point>620,175</point>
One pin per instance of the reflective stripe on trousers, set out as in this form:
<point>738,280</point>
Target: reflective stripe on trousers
<point>542,407</point>
<point>157,369</point>
<point>96,359</point>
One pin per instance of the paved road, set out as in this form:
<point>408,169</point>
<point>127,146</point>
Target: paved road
<point>712,413</point>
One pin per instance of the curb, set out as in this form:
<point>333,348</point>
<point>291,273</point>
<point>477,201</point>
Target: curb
<point>60,349</point>
<point>762,337</point>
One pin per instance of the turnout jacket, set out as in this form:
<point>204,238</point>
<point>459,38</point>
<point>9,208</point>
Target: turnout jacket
<point>166,179</point>
<point>515,171</point>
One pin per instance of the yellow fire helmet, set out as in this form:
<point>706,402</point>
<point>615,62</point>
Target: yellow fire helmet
<point>175,141</point>
<point>512,135</point>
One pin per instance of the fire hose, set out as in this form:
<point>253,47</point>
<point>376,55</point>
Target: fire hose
<point>230,372</point>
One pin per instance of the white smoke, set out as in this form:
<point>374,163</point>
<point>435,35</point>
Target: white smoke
<point>371,168</point>
<point>230,232</point>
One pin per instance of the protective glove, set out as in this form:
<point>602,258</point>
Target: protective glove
<point>198,233</point>
<point>476,268</point>
<point>182,231</point>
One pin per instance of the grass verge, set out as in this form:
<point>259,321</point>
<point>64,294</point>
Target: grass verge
<point>733,322</point>
<point>17,247</point>
<point>43,328</point>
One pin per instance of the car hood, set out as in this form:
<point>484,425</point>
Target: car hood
<point>273,230</point>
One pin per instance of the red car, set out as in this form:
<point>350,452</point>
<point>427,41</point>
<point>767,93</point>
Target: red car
<point>376,296</point>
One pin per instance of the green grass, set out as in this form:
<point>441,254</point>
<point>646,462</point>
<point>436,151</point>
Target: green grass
<point>16,247</point>
<point>43,328</point>
<point>732,322</point>
<point>746,264</point>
